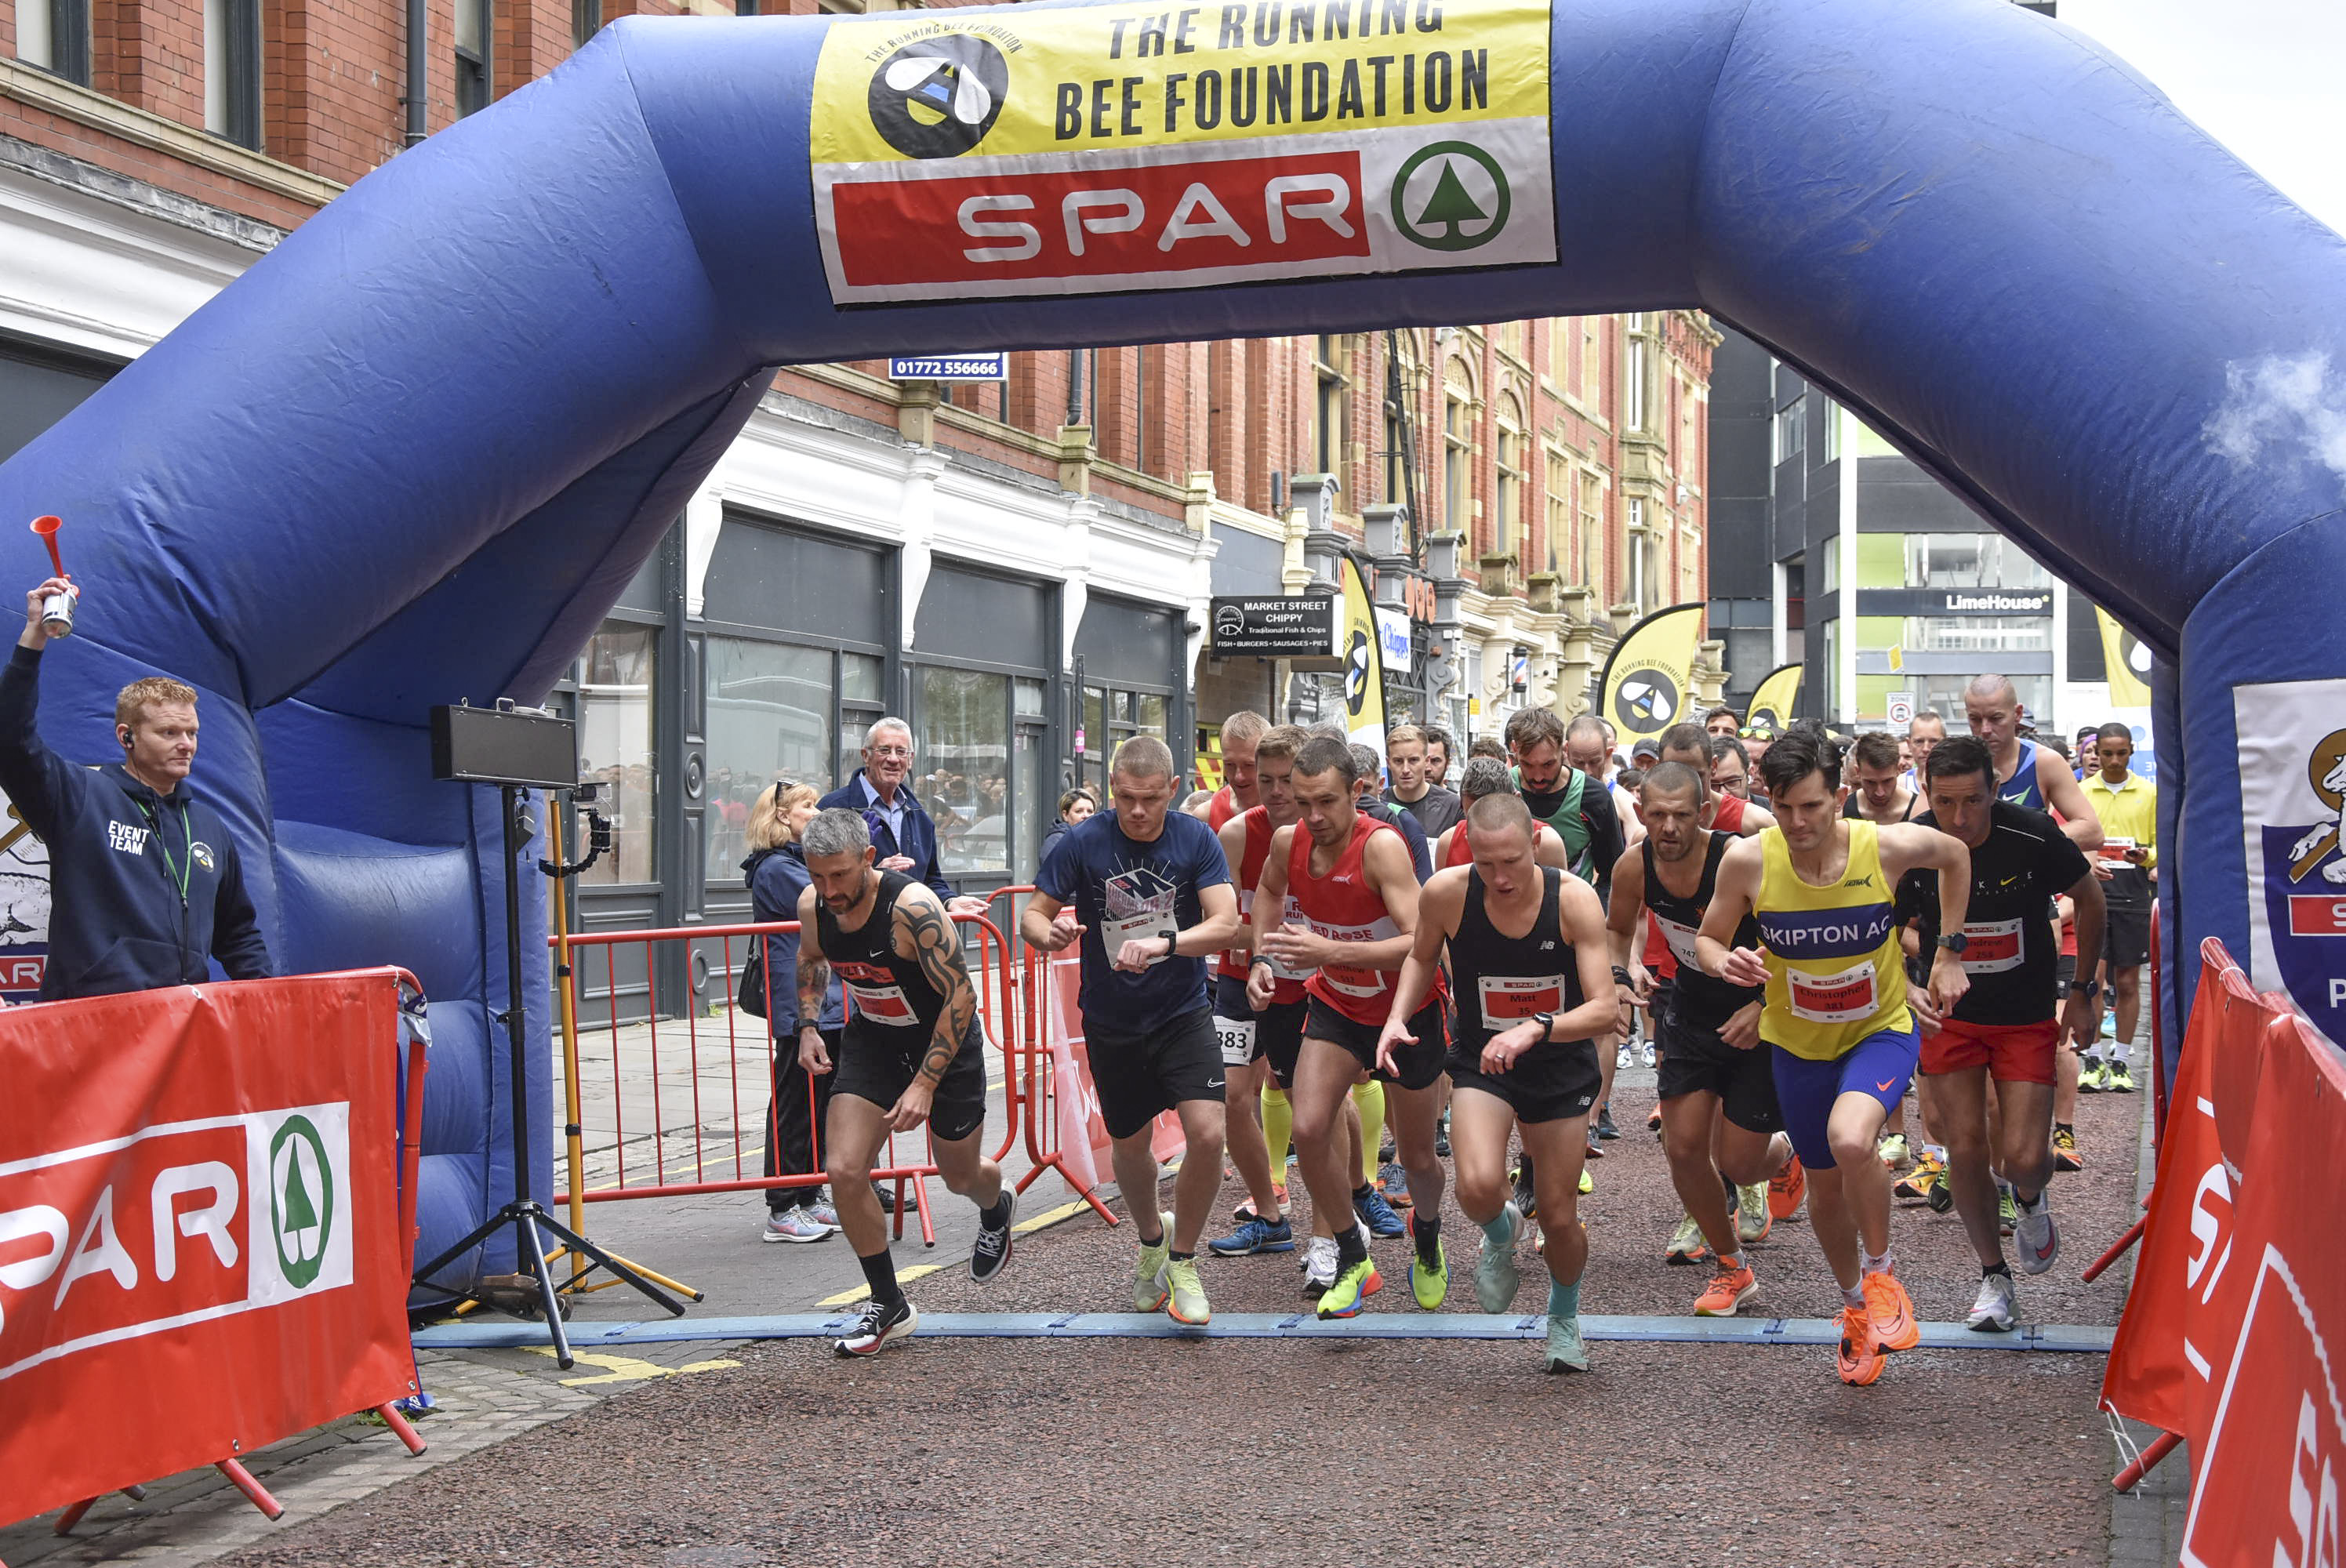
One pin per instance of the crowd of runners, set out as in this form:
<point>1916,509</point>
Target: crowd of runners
<point>1786,927</point>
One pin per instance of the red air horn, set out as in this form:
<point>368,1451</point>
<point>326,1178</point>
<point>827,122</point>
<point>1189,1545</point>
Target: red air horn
<point>58,609</point>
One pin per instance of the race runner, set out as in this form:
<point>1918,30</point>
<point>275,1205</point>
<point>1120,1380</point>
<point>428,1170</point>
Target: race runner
<point>1351,877</point>
<point>910,1051</point>
<point>1728,814</point>
<point>1718,1090</point>
<point>1259,1045</point>
<point>1840,1034</point>
<point>2002,1032</point>
<point>1525,946</point>
<point>1484,776</point>
<point>1879,792</point>
<point>1240,734</point>
<point>2027,774</point>
<point>1150,897</point>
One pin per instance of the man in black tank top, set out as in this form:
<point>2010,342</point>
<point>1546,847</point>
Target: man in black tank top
<point>1528,965</point>
<point>1717,1087</point>
<point>911,1052</point>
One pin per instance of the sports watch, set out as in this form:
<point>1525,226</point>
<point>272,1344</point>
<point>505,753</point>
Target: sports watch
<point>2089,989</point>
<point>1954,942</point>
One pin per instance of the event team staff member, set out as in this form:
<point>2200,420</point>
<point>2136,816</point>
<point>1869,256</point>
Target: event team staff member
<point>2004,1031</point>
<point>1835,1017</point>
<point>901,830</point>
<point>1147,891</point>
<point>1526,948</point>
<point>911,1052</point>
<point>145,881</point>
<point>2127,804</point>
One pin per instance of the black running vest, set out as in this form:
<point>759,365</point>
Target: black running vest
<point>1501,980</point>
<point>890,1002</point>
<point>1704,1003</point>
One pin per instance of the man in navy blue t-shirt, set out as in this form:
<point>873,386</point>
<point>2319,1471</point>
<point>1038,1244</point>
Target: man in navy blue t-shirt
<point>1147,891</point>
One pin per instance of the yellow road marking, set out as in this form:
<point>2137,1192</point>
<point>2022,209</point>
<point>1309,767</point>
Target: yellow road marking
<point>1064,1211</point>
<point>849,1297</point>
<point>626,1369</point>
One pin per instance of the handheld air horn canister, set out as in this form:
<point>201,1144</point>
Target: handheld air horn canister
<point>58,609</point>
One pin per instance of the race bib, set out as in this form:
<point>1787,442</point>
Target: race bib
<point>1847,997</point>
<point>1361,983</point>
<point>1149,927</point>
<point>881,1004</point>
<point>2116,850</point>
<point>1235,1036</point>
<point>1680,937</point>
<point>1991,947</point>
<point>1511,999</point>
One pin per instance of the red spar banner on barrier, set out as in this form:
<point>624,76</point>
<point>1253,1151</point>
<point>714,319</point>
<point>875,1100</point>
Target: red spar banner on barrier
<point>1082,1135</point>
<point>198,1227</point>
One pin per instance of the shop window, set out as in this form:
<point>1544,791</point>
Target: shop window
<point>232,70</point>
<point>1981,633</point>
<point>1329,410</point>
<point>960,769</point>
<point>1592,531</point>
<point>863,701</point>
<point>586,20</point>
<point>1509,485</point>
<point>1457,451</point>
<point>475,25</point>
<point>1558,505</point>
<point>1636,362</point>
<point>770,719</point>
<point>1792,429</point>
<point>615,681</point>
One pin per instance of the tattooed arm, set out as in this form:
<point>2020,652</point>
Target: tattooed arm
<point>814,980</point>
<point>926,936</point>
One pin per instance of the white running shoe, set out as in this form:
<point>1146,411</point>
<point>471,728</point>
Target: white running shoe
<point>1320,1267</point>
<point>2035,1239</point>
<point>1992,1312</point>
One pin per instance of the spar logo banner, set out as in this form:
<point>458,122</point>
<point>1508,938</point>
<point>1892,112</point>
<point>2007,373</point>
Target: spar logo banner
<point>198,1227</point>
<point>1114,148</point>
<point>2293,739</point>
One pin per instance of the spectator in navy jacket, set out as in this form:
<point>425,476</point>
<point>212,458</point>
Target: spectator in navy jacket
<point>900,830</point>
<point>775,871</point>
<point>146,884</point>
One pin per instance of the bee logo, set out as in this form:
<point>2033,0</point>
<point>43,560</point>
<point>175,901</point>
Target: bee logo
<point>938,97</point>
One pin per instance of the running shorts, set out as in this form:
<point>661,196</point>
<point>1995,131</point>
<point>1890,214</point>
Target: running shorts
<point>1550,1083</point>
<point>2012,1053</point>
<point>1880,1065</point>
<point>1415,1066</point>
<point>881,1071</point>
<point>1139,1075</point>
<point>1696,1060</point>
<point>1273,1035</point>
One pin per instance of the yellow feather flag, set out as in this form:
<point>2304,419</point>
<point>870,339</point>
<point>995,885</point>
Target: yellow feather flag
<point>1645,680</point>
<point>1773,699</point>
<point>1364,665</point>
<point>2127,661</point>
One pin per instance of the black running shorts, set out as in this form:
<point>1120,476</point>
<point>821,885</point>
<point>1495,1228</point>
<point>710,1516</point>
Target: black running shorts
<point>1275,1034</point>
<point>879,1070</point>
<point>1417,1066</point>
<point>1550,1083</point>
<point>1698,1060</point>
<point>1140,1074</point>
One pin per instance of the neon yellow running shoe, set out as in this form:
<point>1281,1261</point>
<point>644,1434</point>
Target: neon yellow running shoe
<point>1353,1285</point>
<point>1587,1182</point>
<point>1185,1296</point>
<point>1428,1283</point>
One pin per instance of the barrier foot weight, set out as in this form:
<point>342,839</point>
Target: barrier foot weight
<point>72,1516</point>
<point>401,1428</point>
<point>255,1493</point>
<point>2131,1476</point>
<point>2117,1250</point>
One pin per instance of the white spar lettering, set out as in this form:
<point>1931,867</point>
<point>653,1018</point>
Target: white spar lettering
<point>2338,991</point>
<point>101,1249</point>
<point>2206,1228</point>
<point>1280,208</point>
<point>2312,1496</point>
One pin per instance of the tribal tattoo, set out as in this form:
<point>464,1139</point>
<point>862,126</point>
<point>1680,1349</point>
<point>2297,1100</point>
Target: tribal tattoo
<point>814,975</point>
<point>936,948</point>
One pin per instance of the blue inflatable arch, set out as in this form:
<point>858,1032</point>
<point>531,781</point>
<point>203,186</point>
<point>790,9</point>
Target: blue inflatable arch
<point>417,451</point>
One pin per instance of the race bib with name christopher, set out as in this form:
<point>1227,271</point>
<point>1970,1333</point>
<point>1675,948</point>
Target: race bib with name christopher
<point>1846,997</point>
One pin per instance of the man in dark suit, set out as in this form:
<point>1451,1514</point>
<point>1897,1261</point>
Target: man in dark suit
<point>901,829</point>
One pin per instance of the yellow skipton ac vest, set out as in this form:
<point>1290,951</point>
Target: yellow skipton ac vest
<point>1835,970</point>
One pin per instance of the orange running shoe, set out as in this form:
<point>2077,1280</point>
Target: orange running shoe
<point>1728,1290</point>
<point>1861,1362</point>
<point>1785,1189</point>
<point>1891,1311</point>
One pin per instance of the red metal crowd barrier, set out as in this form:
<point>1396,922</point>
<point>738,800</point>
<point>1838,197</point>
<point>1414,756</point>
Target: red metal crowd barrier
<point>1041,1068</point>
<point>727,1130</point>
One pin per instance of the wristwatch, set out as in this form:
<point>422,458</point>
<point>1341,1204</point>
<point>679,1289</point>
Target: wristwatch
<point>2089,989</point>
<point>1954,942</point>
<point>1172,941</point>
<point>1620,975</point>
<point>1546,1022</point>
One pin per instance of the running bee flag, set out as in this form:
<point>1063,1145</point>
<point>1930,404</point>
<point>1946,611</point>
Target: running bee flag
<point>1647,678</point>
<point>1364,664</point>
<point>1101,148</point>
<point>2128,662</point>
<point>1773,699</point>
<point>200,1248</point>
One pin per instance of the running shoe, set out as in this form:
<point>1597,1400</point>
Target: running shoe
<point>1915,1186</point>
<point>1185,1298</point>
<point>1894,1151</point>
<point>1319,1266</point>
<point>1246,1210</point>
<point>2065,1150</point>
<point>1148,1288</point>
<point>1587,1181</point>
<point>1428,1282</point>
<point>1992,1312</point>
<point>2118,1079</point>
<point>1785,1189</point>
<point>1941,1198</point>
<point>1622,1057</point>
<point>1860,1361</point>
<point>2035,1239</point>
<point>877,1328</point>
<point>1752,1220</point>
<point>1891,1312</point>
<point>1379,1216</point>
<point>1687,1244</point>
<point>1394,1182</point>
<point>1728,1290</point>
<point>1645,1054</point>
<point>1596,1145</point>
<point>1496,1278</point>
<point>1527,1200</point>
<point>1566,1353</point>
<point>794,1224</point>
<point>1353,1287</point>
<point>2007,1210</point>
<point>2093,1077</point>
<point>991,1252</point>
<point>1441,1138</point>
<point>1605,1127</point>
<point>1252,1236</point>
<point>820,1211</point>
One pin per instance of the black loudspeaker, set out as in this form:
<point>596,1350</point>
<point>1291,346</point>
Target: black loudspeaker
<point>504,745</point>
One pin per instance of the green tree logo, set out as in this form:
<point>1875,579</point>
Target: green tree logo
<point>1466,205</point>
<point>300,1200</point>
